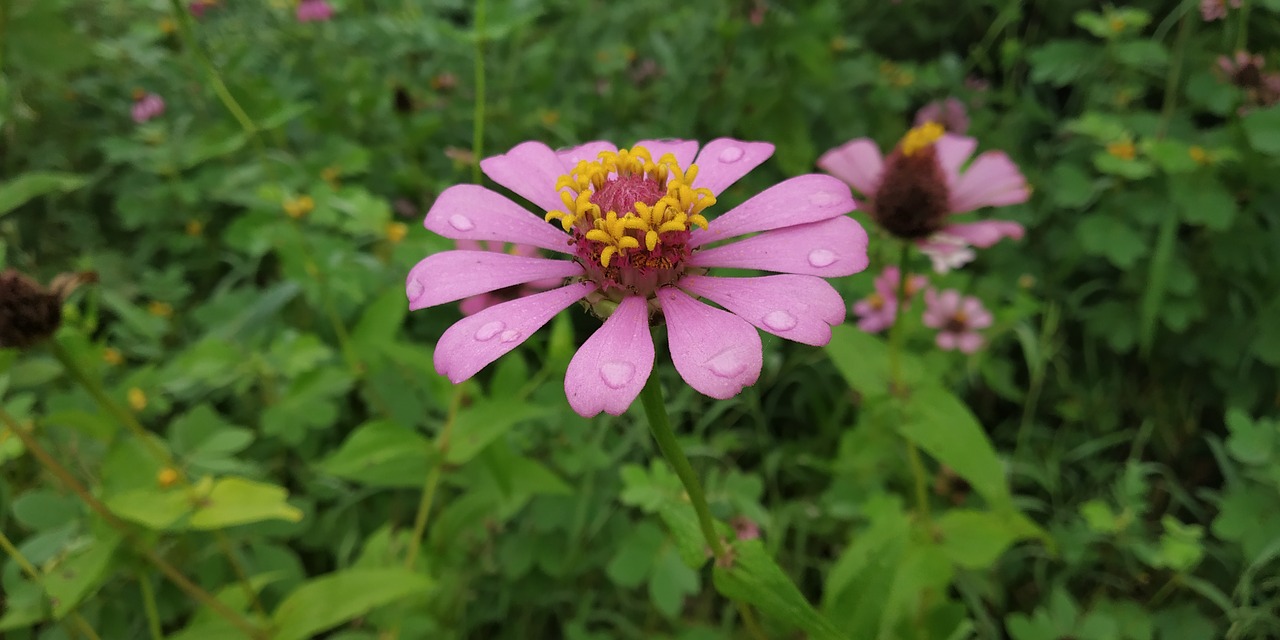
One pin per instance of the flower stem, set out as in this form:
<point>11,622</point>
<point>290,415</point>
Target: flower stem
<point>12,550</point>
<point>183,18</point>
<point>898,389</point>
<point>149,605</point>
<point>477,125</point>
<point>433,480</point>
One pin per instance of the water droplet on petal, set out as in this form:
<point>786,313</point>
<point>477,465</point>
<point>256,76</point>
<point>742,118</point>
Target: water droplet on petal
<point>617,374</point>
<point>731,154</point>
<point>780,320</point>
<point>461,222</point>
<point>489,330</point>
<point>414,289</point>
<point>821,258</point>
<point>821,198</point>
<point>510,335</point>
<point>729,363</point>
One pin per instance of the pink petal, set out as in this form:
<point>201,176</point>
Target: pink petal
<point>876,323</point>
<point>588,151</point>
<point>858,163</point>
<point>803,199</point>
<point>716,352</point>
<point>946,341</point>
<point>993,180</point>
<point>953,152</point>
<point>970,342</point>
<point>530,169</point>
<point>476,304</point>
<point>831,248</point>
<point>985,233</point>
<point>475,341</point>
<point>724,160</point>
<point>683,150</point>
<point>800,308</point>
<point>472,212</point>
<point>454,275</point>
<point>608,371</point>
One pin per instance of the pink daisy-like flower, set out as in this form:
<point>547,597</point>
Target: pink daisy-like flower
<point>638,246</point>
<point>957,318</point>
<point>913,191</point>
<point>476,304</point>
<point>877,311</point>
<point>949,113</point>
<point>146,106</point>
<point>1211,10</point>
<point>313,11</point>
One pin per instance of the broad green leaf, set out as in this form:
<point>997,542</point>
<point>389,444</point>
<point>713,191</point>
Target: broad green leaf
<point>976,539</point>
<point>233,501</point>
<point>151,507</point>
<point>1202,199</point>
<point>944,427</point>
<point>1105,235</point>
<point>484,422</point>
<point>1062,62</point>
<point>383,454</point>
<point>16,192</point>
<point>380,323</point>
<point>863,360</point>
<point>1262,129</point>
<point>671,581</point>
<point>40,509</point>
<point>753,577</point>
<point>328,601</point>
<point>634,558</point>
<point>73,579</point>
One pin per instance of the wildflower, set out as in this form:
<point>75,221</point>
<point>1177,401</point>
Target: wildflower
<point>167,26</point>
<point>167,477</point>
<point>957,319</point>
<point>198,7</point>
<point>297,207</point>
<point>146,106</point>
<point>877,311</point>
<point>137,399</point>
<point>331,175</point>
<point>313,11</point>
<point>29,313</point>
<point>637,238</point>
<point>112,356</point>
<point>396,231</point>
<point>160,309</point>
<point>476,304</point>
<point>949,113</point>
<point>914,191</point>
<point>195,228</point>
<point>745,528</point>
<point>1122,149</point>
<point>1242,69</point>
<point>1211,10</point>
<point>1199,155</point>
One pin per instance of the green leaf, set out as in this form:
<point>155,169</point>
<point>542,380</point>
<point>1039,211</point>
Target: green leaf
<point>1251,442</point>
<point>754,578</point>
<point>1105,235</point>
<point>1062,62</point>
<point>484,422</point>
<point>1202,199</point>
<point>1147,55</point>
<point>40,509</point>
<point>671,582</point>
<point>328,601</point>
<point>382,453</point>
<point>635,555</point>
<point>71,580</point>
<point>381,321</point>
<point>18,191</point>
<point>863,360</point>
<point>151,507</point>
<point>1266,343</point>
<point>1262,129</point>
<point>233,501</point>
<point>976,539</point>
<point>944,427</point>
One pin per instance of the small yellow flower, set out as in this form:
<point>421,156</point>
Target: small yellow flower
<point>167,26</point>
<point>549,118</point>
<point>167,477</point>
<point>396,231</point>
<point>298,207</point>
<point>1117,24</point>
<point>1026,281</point>
<point>1198,154</point>
<point>330,175</point>
<point>137,399</point>
<point>838,44</point>
<point>160,309</point>
<point>1123,150</point>
<point>195,228</point>
<point>112,356</point>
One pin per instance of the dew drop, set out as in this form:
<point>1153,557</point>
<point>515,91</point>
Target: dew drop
<point>617,374</point>
<point>821,199</point>
<point>489,330</point>
<point>728,363</point>
<point>510,335</point>
<point>780,320</point>
<point>414,289</point>
<point>821,258</point>
<point>461,222</point>
<point>731,154</point>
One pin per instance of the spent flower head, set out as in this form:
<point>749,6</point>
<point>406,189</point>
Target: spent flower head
<point>635,240</point>
<point>957,319</point>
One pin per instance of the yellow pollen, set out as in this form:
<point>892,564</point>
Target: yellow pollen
<point>960,317</point>
<point>921,137</point>
<point>297,207</point>
<point>1123,150</point>
<point>1199,155</point>
<point>622,232</point>
<point>876,300</point>
<point>160,309</point>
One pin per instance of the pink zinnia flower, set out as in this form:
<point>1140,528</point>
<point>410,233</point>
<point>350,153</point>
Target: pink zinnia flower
<point>476,304</point>
<point>313,11</point>
<point>198,7</point>
<point>877,311</point>
<point>638,246</point>
<point>914,191</point>
<point>1211,10</point>
<point>957,318</point>
<point>146,106</point>
<point>949,113</point>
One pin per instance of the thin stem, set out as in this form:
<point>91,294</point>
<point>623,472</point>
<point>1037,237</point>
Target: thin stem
<point>898,388</point>
<point>183,18</point>
<point>12,550</point>
<point>433,480</point>
<point>1175,73</point>
<point>140,546</point>
<point>1242,36</point>
<point>477,125</point>
<point>149,606</point>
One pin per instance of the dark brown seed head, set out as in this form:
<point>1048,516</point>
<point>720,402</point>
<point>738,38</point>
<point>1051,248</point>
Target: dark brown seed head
<point>29,313</point>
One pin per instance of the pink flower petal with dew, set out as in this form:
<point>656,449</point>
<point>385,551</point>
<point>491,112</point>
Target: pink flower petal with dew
<point>716,352</point>
<point>588,151</point>
<point>471,212</point>
<point>475,341</point>
<point>799,308</point>
<point>476,304</point>
<point>969,341</point>
<point>858,163</point>
<point>985,233</point>
<point>831,248</point>
<point>724,161</point>
<point>608,371</point>
<point>454,275</point>
<point>530,169</point>
<point>953,152</point>
<point>683,150</point>
<point>799,200</point>
<point>992,180</point>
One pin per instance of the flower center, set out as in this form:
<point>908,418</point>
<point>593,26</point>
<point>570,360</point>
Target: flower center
<point>921,137</point>
<point>630,219</point>
<point>958,323</point>
<point>912,200</point>
<point>876,300</point>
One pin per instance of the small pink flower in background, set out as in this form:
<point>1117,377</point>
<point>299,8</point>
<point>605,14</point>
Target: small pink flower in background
<point>635,246</point>
<point>1211,10</point>
<point>745,528</point>
<point>957,319</point>
<point>1243,69</point>
<point>877,311</point>
<point>314,11</point>
<point>476,304</point>
<point>146,106</point>
<point>198,7</point>
<point>925,180</point>
<point>949,113</point>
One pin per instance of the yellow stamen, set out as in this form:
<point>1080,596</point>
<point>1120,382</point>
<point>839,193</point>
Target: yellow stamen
<point>921,137</point>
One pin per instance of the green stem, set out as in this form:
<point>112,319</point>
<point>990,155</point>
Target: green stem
<point>12,550</point>
<point>477,125</point>
<point>1242,36</point>
<point>898,388</point>
<point>149,606</point>
<point>183,18</point>
<point>1175,73</point>
<point>433,480</point>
